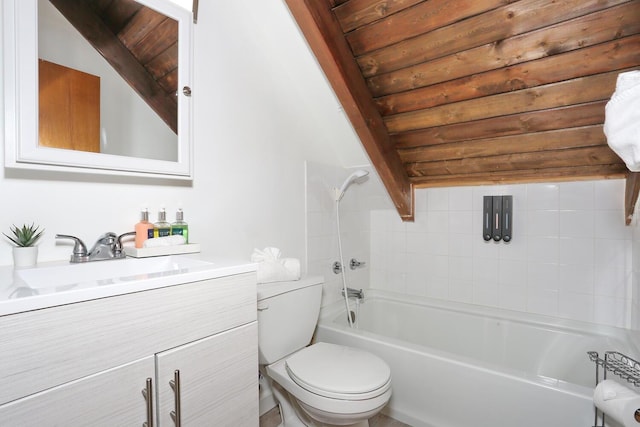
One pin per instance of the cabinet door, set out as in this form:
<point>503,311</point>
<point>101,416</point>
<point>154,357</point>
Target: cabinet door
<point>218,379</point>
<point>106,399</point>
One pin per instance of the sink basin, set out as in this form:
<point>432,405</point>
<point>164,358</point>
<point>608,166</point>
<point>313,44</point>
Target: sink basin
<point>108,272</point>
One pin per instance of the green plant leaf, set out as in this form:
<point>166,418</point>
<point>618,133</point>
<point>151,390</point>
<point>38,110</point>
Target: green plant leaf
<point>25,236</point>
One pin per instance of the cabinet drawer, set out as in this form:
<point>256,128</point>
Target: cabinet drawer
<point>46,348</point>
<point>110,398</point>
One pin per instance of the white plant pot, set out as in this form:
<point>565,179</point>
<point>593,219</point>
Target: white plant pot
<point>24,257</point>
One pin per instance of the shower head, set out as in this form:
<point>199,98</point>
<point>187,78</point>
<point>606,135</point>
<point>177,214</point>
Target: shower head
<point>354,177</point>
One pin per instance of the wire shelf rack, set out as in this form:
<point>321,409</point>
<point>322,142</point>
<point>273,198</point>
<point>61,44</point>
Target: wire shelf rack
<point>617,363</point>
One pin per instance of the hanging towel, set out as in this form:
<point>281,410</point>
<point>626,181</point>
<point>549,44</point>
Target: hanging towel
<point>273,268</point>
<point>622,119</point>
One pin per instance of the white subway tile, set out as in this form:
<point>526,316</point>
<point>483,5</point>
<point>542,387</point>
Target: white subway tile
<point>577,278</point>
<point>460,290</point>
<point>611,281</point>
<point>610,311</point>
<point>485,270</point>
<point>512,298</point>
<point>420,200</point>
<point>438,287</point>
<point>542,197</point>
<point>512,273</point>
<point>437,266</point>
<point>542,301</point>
<point>577,224</point>
<point>542,276</point>
<point>460,244</point>
<point>460,199</point>
<point>461,222</point>
<point>437,243</point>
<point>486,295</point>
<point>576,251</point>
<point>516,249</point>
<point>416,284</point>
<point>483,249</point>
<point>543,223</point>
<point>542,249</point>
<point>577,195</point>
<point>438,199</point>
<point>610,224</point>
<point>461,268</point>
<point>438,222</point>
<point>609,194</point>
<point>576,306</point>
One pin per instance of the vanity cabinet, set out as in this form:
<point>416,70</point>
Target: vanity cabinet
<point>87,363</point>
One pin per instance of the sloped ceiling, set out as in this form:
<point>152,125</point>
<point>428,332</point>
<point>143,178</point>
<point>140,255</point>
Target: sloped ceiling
<point>139,43</point>
<point>470,92</point>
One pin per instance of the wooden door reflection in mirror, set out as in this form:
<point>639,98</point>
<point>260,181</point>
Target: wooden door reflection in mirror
<point>69,113</point>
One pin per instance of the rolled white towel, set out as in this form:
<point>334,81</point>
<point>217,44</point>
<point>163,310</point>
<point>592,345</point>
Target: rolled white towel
<point>622,119</point>
<point>618,402</point>
<point>272,268</point>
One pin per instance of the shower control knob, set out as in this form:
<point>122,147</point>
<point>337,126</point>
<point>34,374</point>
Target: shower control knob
<point>337,267</point>
<point>354,263</point>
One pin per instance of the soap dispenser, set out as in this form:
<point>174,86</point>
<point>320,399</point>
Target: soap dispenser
<point>144,229</point>
<point>180,227</point>
<point>162,228</point>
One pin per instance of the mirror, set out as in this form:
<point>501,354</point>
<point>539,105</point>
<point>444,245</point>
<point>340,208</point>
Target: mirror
<point>126,146</point>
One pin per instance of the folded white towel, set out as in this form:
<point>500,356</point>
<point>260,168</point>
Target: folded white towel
<point>164,241</point>
<point>272,268</point>
<point>622,119</point>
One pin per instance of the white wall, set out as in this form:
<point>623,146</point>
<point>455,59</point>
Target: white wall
<point>571,255</point>
<point>262,108</point>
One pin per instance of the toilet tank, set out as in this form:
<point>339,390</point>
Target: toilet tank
<point>287,316</point>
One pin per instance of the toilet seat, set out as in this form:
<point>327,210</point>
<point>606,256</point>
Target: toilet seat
<point>339,372</point>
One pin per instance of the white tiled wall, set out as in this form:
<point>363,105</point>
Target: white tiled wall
<point>322,236</point>
<point>571,255</point>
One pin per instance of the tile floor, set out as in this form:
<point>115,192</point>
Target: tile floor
<point>272,419</point>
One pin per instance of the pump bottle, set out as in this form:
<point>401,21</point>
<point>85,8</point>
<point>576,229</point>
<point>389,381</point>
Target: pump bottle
<point>142,229</point>
<point>180,226</point>
<point>162,228</point>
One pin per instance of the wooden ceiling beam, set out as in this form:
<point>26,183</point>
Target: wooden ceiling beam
<point>632,188</point>
<point>577,115</point>
<point>566,158</point>
<point>92,28</point>
<point>325,38</point>
<point>571,173</point>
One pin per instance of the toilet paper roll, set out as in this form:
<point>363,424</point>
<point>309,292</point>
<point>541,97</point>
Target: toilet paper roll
<point>618,402</point>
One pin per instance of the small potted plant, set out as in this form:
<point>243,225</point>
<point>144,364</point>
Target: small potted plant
<point>25,253</point>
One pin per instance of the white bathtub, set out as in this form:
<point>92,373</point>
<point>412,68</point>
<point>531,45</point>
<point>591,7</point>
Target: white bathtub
<point>460,365</point>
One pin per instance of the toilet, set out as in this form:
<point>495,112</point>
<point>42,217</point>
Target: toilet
<point>322,384</point>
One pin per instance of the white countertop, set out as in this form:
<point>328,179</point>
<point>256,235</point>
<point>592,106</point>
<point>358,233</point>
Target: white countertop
<point>16,295</point>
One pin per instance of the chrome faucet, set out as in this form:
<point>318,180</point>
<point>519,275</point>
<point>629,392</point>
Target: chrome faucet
<point>354,293</point>
<point>108,246</point>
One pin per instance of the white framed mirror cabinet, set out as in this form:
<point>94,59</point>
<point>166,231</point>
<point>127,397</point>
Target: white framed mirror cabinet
<point>132,138</point>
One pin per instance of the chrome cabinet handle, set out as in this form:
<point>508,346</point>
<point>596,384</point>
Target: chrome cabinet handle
<point>175,386</point>
<point>147,392</point>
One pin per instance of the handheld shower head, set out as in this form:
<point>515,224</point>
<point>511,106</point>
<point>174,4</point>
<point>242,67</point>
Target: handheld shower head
<point>354,177</point>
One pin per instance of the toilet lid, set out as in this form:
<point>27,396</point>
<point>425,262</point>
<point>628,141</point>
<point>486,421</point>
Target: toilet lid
<point>330,370</point>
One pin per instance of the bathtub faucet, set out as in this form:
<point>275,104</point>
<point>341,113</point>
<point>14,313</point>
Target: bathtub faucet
<point>354,293</point>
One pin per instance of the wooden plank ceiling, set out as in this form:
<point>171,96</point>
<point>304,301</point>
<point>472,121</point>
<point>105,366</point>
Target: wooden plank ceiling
<point>470,92</point>
<point>139,43</point>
